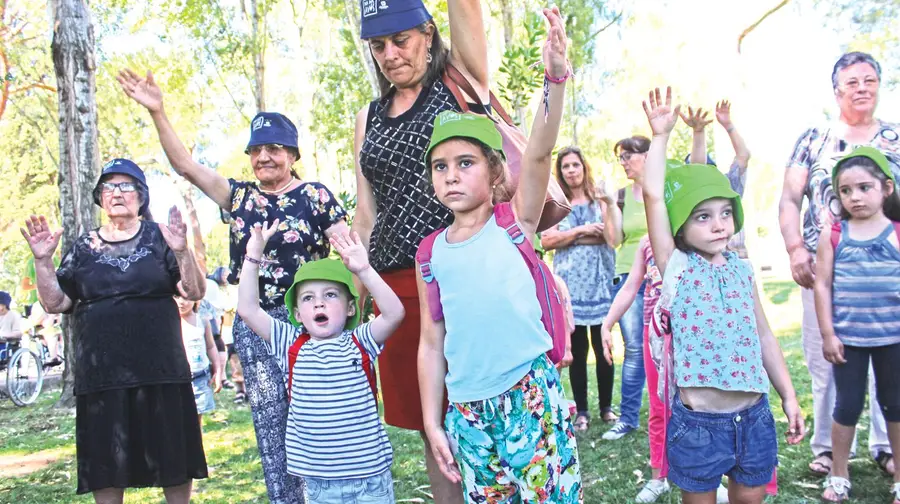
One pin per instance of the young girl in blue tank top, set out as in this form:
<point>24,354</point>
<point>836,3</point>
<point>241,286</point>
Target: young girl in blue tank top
<point>724,353</point>
<point>858,307</point>
<point>508,434</point>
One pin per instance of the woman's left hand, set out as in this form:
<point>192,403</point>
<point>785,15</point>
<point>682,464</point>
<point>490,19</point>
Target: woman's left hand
<point>175,233</point>
<point>555,60</point>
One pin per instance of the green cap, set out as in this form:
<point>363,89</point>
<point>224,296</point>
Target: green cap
<point>329,270</point>
<point>689,185</point>
<point>449,124</point>
<point>867,152</point>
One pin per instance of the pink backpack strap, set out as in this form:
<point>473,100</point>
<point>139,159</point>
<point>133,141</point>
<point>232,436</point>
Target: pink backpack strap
<point>432,289</point>
<point>506,219</point>
<point>897,230</point>
<point>836,234</point>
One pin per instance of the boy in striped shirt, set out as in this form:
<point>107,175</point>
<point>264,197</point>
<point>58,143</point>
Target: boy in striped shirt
<point>334,438</point>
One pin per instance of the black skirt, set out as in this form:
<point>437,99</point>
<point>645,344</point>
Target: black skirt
<point>146,436</point>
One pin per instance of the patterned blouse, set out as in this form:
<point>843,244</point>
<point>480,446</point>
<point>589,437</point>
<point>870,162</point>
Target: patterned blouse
<point>304,213</point>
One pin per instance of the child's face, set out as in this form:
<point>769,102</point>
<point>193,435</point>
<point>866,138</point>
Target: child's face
<point>323,308</point>
<point>710,226</point>
<point>185,307</point>
<point>461,176</point>
<point>862,194</point>
<point>572,170</point>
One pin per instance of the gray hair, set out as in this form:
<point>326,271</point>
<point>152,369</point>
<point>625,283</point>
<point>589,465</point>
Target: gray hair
<point>850,59</point>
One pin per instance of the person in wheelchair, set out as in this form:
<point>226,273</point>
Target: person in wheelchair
<point>10,321</point>
<point>46,327</point>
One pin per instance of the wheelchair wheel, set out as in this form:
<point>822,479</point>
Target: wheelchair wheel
<point>24,377</point>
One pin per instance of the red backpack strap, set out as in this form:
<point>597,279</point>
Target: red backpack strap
<point>897,230</point>
<point>293,352</point>
<point>836,234</point>
<point>368,366</point>
<point>432,289</point>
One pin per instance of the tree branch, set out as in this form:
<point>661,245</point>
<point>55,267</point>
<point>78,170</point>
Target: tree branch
<point>601,30</point>
<point>4,82</point>
<point>759,22</point>
<point>32,86</point>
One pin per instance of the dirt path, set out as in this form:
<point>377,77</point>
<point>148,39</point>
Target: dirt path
<point>21,465</point>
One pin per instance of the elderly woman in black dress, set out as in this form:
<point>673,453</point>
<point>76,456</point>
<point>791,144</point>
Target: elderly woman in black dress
<point>136,423</point>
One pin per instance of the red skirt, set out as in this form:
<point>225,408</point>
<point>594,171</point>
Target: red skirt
<point>397,364</point>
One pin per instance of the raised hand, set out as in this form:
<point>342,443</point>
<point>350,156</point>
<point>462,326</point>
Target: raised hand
<point>260,234</point>
<point>352,251</point>
<point>723,113</point>
<point>696,119</point>
<point>175,233</point>
<point>554,53</point>
<point>661,116</point>
<point>142,90</point>
<point>40,238</point>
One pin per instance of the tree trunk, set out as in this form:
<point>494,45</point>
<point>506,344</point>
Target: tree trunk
<point>79,156</point>
<point>259,54</point>
<point>351,7</point>
<point>187,193</point>
<point>506,15</point>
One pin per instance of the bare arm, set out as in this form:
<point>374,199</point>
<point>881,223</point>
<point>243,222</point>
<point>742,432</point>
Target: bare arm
<point>248,308</point>
<point>553,238</point>
<point>193,283</point>
<point>390,306</point>
<point>468,43</point>
<point>610,223</point>
<point>662,118</point>
<point>628,293</point>
<point>364,219</point>
<point>789,206</point>
<point>697,120</point>
<point>213,355</point>
<point>741,152</point>
<point>823,284</point>
<point>50,294</point>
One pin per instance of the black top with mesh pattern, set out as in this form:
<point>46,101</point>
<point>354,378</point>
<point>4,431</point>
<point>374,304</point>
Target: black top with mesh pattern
<point>392,159</point>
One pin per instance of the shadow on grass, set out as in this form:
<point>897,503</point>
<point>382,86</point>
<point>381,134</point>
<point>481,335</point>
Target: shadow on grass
<point>779,292</point>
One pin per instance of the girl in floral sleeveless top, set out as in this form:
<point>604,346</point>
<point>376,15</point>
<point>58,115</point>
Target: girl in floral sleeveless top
<point>724,350</point>
<point>857,279</point>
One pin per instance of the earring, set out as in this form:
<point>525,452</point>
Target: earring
<point>428,57</point>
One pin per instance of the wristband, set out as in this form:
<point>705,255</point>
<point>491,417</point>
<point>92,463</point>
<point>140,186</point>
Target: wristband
<point>556,80</point>
<point>729,129</point>
<point>252,260</point>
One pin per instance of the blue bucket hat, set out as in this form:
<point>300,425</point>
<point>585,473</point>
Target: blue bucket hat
<point>386,17</point>
<point>5,298</point>
<point>125,167</point>
<point>272,128</point>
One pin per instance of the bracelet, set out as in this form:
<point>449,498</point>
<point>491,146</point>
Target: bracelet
<point>730,129</point>
<point>252,260</point>
<point>559,80</point>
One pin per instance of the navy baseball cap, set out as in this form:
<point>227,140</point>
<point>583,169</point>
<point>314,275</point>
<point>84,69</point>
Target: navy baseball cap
<point>125,167</point>
<point>272,128</point>
<point>386,17</point>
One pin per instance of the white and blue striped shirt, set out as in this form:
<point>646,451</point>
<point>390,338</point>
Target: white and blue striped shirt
<point>333,427</point>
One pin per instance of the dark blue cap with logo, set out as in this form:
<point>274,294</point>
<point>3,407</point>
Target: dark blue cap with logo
<point>124,167</point>
<point>386,17</point>
<point>272,128</point>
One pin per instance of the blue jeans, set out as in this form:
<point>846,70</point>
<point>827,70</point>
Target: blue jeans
<point>378,489</point>
<point>632,326</point>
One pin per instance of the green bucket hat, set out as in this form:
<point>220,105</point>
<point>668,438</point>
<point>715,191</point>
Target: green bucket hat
<point>867,152</point>
<point>449,124</point>
<point>330,270</point>
<point>689,185</point>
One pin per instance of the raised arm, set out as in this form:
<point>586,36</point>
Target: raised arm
<point>741,152</point>
<point>795,174</point>
<point>144,91</point>
<point>193,283</point>
<point>662,117</point>
<point>364,219</point>
<point>43,243</point>
<point>528,202</point>
<point>698,122</point>
<point>248,308</point>
<point>468,43</point>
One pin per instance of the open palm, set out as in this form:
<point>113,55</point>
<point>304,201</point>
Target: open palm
<point>40,238</point>
<point>175,233</point>
<point>142,90</point>
<point>554,52</point>
<point>661,116</point>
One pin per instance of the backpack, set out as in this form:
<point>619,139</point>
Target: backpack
<point>836,233</point>
<point>552,310</point>
<point>367,364</point>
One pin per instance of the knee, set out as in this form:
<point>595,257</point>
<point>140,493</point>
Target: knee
<point>890,407</point>
<point>847,410</point>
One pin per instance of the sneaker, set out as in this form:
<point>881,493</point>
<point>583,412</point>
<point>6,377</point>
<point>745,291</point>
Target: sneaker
<point>618,431</point>
<point>722,495</point>
<point>652,490</point>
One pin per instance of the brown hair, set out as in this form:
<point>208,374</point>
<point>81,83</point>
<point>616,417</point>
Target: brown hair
<point>499,172</point>
<point>891,204</point>
<point>636,144</point>
<point>587,184</point>
<point>440,55</point>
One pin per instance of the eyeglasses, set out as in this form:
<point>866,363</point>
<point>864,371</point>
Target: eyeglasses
<point>124,187</point>
<point>626,156</point>
<point>271,149</point>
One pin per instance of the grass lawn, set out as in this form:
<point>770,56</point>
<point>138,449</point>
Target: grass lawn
<point>40,439</point>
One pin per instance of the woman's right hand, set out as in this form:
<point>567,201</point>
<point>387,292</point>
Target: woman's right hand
<point>40,239</point>
<point>606,339</point>
<point>142,90</point>
<point>833,350</point>
<point>440,449</point>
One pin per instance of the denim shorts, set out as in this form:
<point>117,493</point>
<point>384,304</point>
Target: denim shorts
<point>203,393</point>
<point>378,489</point>
<point>702,447</point>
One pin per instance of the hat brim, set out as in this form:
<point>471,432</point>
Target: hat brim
<point>114,171</point>
<point>701,194</point>
<point>290,299</point>
<point>395,22</point>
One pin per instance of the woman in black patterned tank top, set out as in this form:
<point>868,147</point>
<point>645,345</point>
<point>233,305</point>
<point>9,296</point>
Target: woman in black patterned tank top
<point>396,204</point>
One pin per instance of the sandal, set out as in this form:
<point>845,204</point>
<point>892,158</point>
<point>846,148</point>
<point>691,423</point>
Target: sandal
<point>608,416</point>
<point>895,489</point>
<point>582,422</point>
<point>885,461</point>
<point>840,487</point>
<point>822,463</point>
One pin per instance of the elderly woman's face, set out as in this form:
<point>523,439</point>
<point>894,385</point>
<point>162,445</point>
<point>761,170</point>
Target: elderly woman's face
<point>119,196</point>
<point>402,57</point>
<point>271,162</point>
<point>857,90</point>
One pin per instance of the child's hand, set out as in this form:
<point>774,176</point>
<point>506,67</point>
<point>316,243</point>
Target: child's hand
<point>352,251</point>
<point>259,236</point>
<point>440,448</point>
<point>697,120</point>
<point>606,338</point>
<point>723,113</point>
<point>661,116</point>
<point>555,60</point>
<point>796,428</point>
<point>833,350</point>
